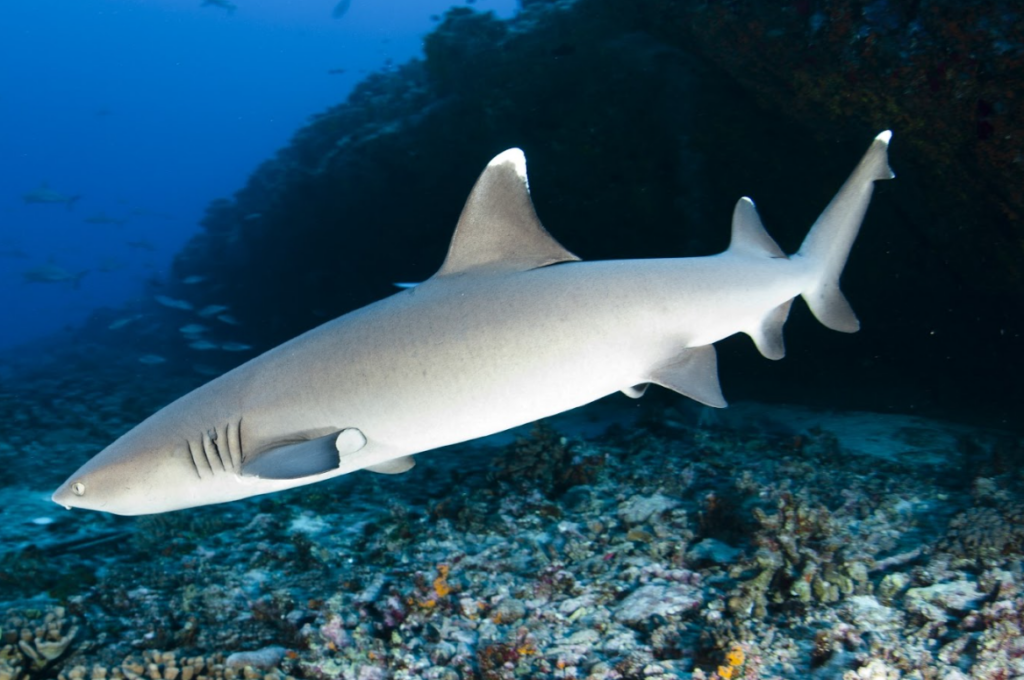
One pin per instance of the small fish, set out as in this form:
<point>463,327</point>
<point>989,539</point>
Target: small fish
<point>228,319</point>
<point>404,286</point>
<point>252,217</point>
<point>103,218</point>
<point>235,347</point>
<point>173,303</point>
<point>192,329</point>
<point>141,245</point>
<point>52,273</point>
<point>202,345</point>
<point>211,310</point>
<point>151,359</point>
<point>44,194</point>
<point>223,4</point>
<point>341,8</point>
<point>123,321</point>
<point>336,71</point>
<point>204,369</point>
<point>143,212</point>
<point>111,264</point>
<point>194,279</point>
<point>42,521</point>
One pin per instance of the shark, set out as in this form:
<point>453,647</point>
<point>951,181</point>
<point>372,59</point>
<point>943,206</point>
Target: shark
<point>44,194</point>
<point>52,273</point>
<point>511,329</point>
<point>103,218</point>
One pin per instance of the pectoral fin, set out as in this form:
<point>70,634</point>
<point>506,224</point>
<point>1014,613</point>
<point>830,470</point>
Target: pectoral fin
<point>394,466</point>
<point>635,391</point>
<point>307,458</point>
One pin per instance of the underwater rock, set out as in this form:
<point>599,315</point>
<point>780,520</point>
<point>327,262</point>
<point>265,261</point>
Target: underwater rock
<point>658,600</point>
<point>868,614</point>
<point>640,509</point>
<point>264,659</point>
<point>947,598</point>
<point>665,164</point>
<point>714,551</point>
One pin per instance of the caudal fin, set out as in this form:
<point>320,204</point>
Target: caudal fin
<point>828,243</point>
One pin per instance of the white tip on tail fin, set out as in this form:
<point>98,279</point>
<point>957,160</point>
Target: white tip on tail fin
<point>828,243</point>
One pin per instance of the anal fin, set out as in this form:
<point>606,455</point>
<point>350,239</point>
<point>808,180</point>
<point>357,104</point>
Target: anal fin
<point>768,336</point>
<point>693,374</point>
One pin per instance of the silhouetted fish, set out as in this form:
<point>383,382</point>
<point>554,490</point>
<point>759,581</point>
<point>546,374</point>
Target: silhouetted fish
<point>341,8</point>
<point>44,194</point>
<point>141,245</point>
<point>223,4</point>
<point>123,321</point>
<point>103,218</point>
<point>210,310</point>
<point>52,273</point>
<point>173,303</point>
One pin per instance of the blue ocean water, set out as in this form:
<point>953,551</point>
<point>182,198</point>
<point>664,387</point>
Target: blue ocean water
<point>196,182</point>
<point>147,110</point>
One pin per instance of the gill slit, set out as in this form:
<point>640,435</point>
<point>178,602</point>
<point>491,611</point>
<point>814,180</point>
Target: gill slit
<point>192,457</point>
<point>212,450</point>
<point>217,449</point>
<point>234,439</point>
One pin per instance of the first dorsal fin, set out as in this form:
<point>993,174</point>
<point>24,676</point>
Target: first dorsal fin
<point>498,229</point>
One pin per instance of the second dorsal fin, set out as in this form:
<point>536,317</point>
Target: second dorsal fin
<point>499,229</point>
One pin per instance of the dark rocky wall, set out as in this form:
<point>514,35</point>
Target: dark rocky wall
<point>642,124</point>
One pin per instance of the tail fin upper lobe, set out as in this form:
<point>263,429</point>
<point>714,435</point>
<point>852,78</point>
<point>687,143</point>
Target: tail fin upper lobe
<point>828,243</point>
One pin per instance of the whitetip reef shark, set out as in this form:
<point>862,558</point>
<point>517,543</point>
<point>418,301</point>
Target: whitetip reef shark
<point>512,328</point>
<point>44,194</point>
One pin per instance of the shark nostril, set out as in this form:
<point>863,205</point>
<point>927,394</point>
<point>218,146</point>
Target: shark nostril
<point>78,489</point>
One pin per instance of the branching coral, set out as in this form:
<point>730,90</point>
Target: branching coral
<point>34,641</point>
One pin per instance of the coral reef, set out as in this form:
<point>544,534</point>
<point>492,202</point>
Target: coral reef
<point>35,641</point>
<point>763,554</point>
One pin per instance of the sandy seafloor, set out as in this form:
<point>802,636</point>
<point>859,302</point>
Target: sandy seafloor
<point>625,540</point>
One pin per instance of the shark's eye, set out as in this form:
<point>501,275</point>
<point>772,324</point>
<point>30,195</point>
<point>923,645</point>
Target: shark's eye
<point>78,489</point>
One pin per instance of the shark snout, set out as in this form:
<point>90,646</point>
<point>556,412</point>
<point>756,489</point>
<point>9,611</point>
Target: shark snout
<point>62,496</point>
<point>68,494</point>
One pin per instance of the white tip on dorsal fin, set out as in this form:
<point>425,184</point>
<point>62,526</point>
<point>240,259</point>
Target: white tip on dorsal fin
<point>498,228</point>
<point>748,233</point>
